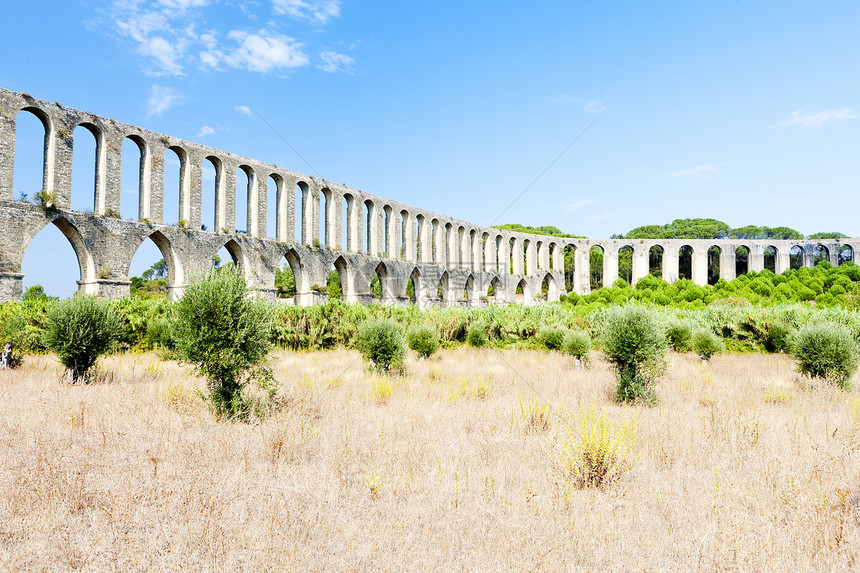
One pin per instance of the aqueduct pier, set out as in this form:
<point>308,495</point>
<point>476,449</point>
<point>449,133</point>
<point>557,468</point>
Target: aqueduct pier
<point>319,225</point>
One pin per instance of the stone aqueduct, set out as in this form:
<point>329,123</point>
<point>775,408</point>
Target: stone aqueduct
<point>362,235</point>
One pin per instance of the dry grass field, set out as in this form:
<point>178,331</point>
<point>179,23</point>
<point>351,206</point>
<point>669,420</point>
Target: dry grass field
<point>741,466</point>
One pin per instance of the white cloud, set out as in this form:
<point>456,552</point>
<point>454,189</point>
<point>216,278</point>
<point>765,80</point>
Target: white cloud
<point>588,106</point>
<point>701,172</point>
<point>594,106</point>
<point>812,120</point>
<point>335,62</point>
<point>573,205</point>
<point>162,99</point>
<point>264,52</point>
<point>164,53</point>
<point>204,131</point>
<point>318,10</point>
<point>603,216</point>
<point>243,109</point>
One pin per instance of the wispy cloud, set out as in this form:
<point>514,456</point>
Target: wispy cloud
<point>265,52</point>
<point>205,130</point>
<point>700,172</point>
<point>592,105</point>
<point>320,11</point>
<point>335,62</point>
<point>603,216</point>
<point>578,204</point>
<point>817,119</point>
<point>244,109</point>
<point>162,99</point>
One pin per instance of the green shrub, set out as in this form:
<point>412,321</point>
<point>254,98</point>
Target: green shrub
<point>680,335</point>
<point>705,343</point>
<point>226,335</point>
<point>477,336</point>
<point>778,337</point>
<point>551,336</point>
<point>381,344</point>
<point>577,343</point>
<point>158,334</point>
<point>423,339</point>
<point>635,346</point>
<point>826,351</point>
<point>79,330</point>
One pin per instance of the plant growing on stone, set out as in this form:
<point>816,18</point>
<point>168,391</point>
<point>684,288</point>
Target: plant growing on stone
<point>381,344</point>
<point>826,351</point>
<point>226,335</point>
<point>79,330</point>
<point>636,347</point>
<point>423,339</point>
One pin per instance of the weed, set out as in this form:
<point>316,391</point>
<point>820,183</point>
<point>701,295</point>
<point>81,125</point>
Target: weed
<point>535,415</point>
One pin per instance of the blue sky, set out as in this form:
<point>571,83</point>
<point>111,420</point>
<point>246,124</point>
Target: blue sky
<point>743,111</point>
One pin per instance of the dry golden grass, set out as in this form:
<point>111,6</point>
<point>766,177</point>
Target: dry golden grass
<point>739,467</point>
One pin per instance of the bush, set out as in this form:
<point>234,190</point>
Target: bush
<point>680,335</point>
<point>79,330</point>
<point>551,336</point>
<point>636,346</point>
<point>423,339</point>
<point>577,343</point>
<point>158,334</point>
<point>778,338</point>
<point>226,336</point>
<point>706,343</point>
<point>381,344</point>
<point>477,336</point>
<point>826,351</point>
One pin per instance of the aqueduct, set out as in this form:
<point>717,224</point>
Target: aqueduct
<point>318,226</point>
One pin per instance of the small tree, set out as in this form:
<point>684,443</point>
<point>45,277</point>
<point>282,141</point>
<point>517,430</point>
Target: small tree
<point>826,351</point>
<point>636,346</point>
<point>80,329</point>
<point>680,335</point>
<point>423,339</point>
<point>226,336</point>
<point>706,343</point>
<point>577,343</point>
<point>552,336</point>
<point>381,344</point>
<point>477,335</point>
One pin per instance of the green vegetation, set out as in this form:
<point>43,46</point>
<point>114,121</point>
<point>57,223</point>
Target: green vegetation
<point>635,344</point>
<point>577,343</point>
<point>226,336</point>
<point>680,335</point>
<point>826,351</point>
<point>381,344</point>
<point>423,340</point>
<point>477,336</point>
<point>552,337</point>
<point>79,330</point>
<point>706,344</point>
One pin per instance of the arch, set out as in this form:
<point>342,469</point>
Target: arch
<point>625,264</point>
<point>415,288</point>
<point>421,238</point>
<point>238,255</point>
<point>770,257</point>
<point>212,196</point>
<point>495,290</point>
<point>175,274</point>
<point>244,206</point>
<point>348,223</point>
<point>595,259</point>
<point>31,170</point>
<point>527,265</point>
<point>846,254</point>
<point>344,275</point>
<point>820,254</point>
<point>275,215</point>
<point>85,178</point>
<point>86,266</point>
<point>569,266</point>
<point>380,283</point>
<point>369,209</point>
<point>714,255</point>
<point>327,218</point>
<point>135,169</point>
<point>469,291</point>
<point>685,262</point>
<point>448,257</point>
<point>435,251</point>
<point>175,166</point>
<point>549,288</point>
<point>442,292</point>
<point>387,216</point>
<point>407,237</point>
<point>300,275</point>
<point>742,260</point>
<point>300,212</point>
<point>655,261</point>
<point>795,257</point>
<point>521,293</point>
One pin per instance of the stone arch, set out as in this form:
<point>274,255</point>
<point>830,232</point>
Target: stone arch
<point>300,273</point>
<point>596,258</point>
<point>469,291</point>
<point>495,291</point>
<point>521,293</point>
<point>45,157</point>
<point>820,253</point>
<point>245,203</point>
<point>625,264</point>
<point>549,288</point>
<point>327,218</point>
<point>685,262</point>
<point>846,254</point>
<point>569,266</point>
<point>655,261</point>
<point>714,255</point>
<point>345,273</point>
<point>442,290</point>
<point>86,263</point>
<point>415,284</point>
<point>407,237</point>
<point>238,255</point>
<point>448,234</point>
<point>276,208</point>
<point>175,270</point>
<point>94,199</point>
<point>216,196</point>
<point>770,256</point>
<point>386,291</point>
<point>421,238</point>
<point>348,223</point>
<point>302,229</point>
<point>144,199</point>
<point>742,260</point>
<point>172,204</point>
<point>369,220</point>
<point>795,257</point>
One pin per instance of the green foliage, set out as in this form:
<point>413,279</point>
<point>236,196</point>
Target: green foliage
<point>79,330</point>
<point>826,351</point>
<point>552,337</point>
<point>709,229</point>
<point>577,343</point>
<point>423,339</point>
<point>36,292</point>
<point>778,337</point>
<point>477,336</point>
<point>543,230</point>
<point>226,335</point>
<point>830,235</point>
<point>381,344</point>
<point>635,345</point>
<point>705,343</point>
<point>285,282</point>
<point>680,335</point>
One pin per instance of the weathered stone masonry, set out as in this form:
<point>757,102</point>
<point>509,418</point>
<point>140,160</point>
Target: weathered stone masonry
<point>395,241</point>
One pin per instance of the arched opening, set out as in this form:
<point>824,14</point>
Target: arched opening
<point>498,267</point>
<point>846,254</point>
<point>326,218</point>
<point>442,288</point>
<point>274,188</point>
<point>770,253</point>
<point>405,238</point>
<point>469,289</point>
<point>55,260</point>
<point>549,290</point>
<point>436,231</point>
<point>419,238</point>
<point>132,178</point>
<point>290,276</point>
<point>820,254</point>
<point>347,223</point>
<point>625,264</point>
<point>655,261</point>
<point>337,281</point>
<point>300,213</point>
<point>231,252</point>
<point>413,287</point>
<point>446,247</point>
<point>714,254</point>
<point>494,291</point>
<point>211,171</point>
<point>525,254</point>
<point>512,248</point>
<point>172,182</point>
<point>469,253</point>
<point>380,285</point>
<point>595,259</point>
<point>243,193</point>
<point>742,260</point>
<point>154,268</point>
<point>369,212</point>
<point>386,232</point>
<point>569,266</point>
<point>463,241</point>
<point>32,129</point>
<point>685,262</point>
<point>795,257</point>
<point>84,168</point>
<point>522,291</point>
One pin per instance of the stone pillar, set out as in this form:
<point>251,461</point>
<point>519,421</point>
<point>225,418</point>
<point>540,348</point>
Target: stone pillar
<point>517,256</point>
<point>229,205</point>
<point>7,171</point>
<point>408,231</point>
<point>531,258</point>
<point>699,264</point>
<point>425,232</point>
<point>59,151</point>
<point>640,263</point>
<point>783,260</point>
<point>439,244</point>
<point>221,199</point>
<point>185,187</point>
<point>670,263</point>
<point>313,217</point>
<point>110,162</point>
<point>582,271</point>
<point>833,254</point>
<point>452,236</point>
<point>504,260</point>
<point>262,218</point>
<point>252,213</point>
<point>11,286</point>
<point>728,263</point>
<point>809,255</point>
<point>543,257</point>
<point>755,259</point>
<point>193,210</point>
<point>374,246</point>
<point>144,199</point>
<point>477,244</point>
<point>610,265</point>
<point>334,221</point>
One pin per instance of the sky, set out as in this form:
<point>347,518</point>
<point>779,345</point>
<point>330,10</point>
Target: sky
<point>594,117</point>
